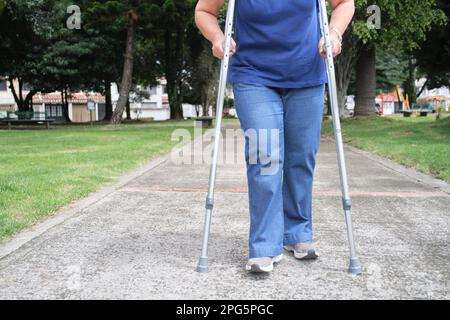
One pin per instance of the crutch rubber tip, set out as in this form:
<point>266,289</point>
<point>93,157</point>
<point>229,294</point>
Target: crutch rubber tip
<point>202,266</point>
<point>355,266</point>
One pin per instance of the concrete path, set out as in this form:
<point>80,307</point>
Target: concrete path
<point>140,239</point>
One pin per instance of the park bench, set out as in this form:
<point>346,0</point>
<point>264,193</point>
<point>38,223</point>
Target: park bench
<point>203,122</point>
<point>26,118</point>
<point>424,112</point>
<point>407,113</point>
<point>421,112</point>
<point>420,109</point>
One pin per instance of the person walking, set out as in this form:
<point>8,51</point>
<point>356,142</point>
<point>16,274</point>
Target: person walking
<point>278,76</point>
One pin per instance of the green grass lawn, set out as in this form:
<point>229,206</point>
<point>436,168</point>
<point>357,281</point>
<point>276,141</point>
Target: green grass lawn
<point>41,171</point>
<point>419,142</point>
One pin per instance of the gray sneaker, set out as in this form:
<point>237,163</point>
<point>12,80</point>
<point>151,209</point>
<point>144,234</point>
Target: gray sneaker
<point>263,264</point>
<point>303,251</point>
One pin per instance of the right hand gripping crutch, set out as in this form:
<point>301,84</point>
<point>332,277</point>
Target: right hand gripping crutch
<point>355,265</point>
<point>203,261</point>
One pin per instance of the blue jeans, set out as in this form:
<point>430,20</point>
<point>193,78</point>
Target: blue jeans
<point>286,124</point>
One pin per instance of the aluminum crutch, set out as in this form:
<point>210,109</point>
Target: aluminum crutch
<point>203,261</point>
<point>355,265</point>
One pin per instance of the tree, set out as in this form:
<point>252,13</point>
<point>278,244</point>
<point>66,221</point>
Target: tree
<point>44,55</point>
<point>432,57</point>
<point>130,14</point>
<point>67,62</point>
<point>70,60</point>
<point>21,49</point>
<point>403,24</point>
<point>344,64</point>
<point>391,66</point>
<point>175,25</point>
<point>203,72</point>
<point>107,59</point>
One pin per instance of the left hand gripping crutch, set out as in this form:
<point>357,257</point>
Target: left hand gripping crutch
<point>203,261</point>
<point>355,264</point>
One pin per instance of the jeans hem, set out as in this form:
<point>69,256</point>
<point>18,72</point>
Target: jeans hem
<point>291,240</point>
<point>265,252</point>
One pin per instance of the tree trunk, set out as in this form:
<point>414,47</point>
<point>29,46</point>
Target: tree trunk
<point>28,103</point>
<point>410,83</point>
<point>212,98</point>
<point>17,98</point>
<point>197,110</point>
<point>128,109</point>
<point>14,93</point>
<point>22,104</point>
<point>108,101</point>
<point>208,95</point>
<point>176,112</point>
<point>422,89</point>
<point>342,100</point>
<point>65,113</point>
<point>328,104</point>
<point>21,93</point>
<point>345,64</point>
<point>209,72</point>
<point>366,83</point>
<point>173,69</point>
<point>343,77</point>
<point>127,75</point>
<point>65,104</point>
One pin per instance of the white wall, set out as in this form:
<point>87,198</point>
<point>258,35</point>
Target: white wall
<point>388,108</point>
<point>7,98</point>
<point>157,115</point>
<point>159,109</point>
<point>442,91</point>
<point>190,112</point>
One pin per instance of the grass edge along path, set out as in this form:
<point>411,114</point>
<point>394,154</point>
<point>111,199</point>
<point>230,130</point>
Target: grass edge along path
<point>422,143</point>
